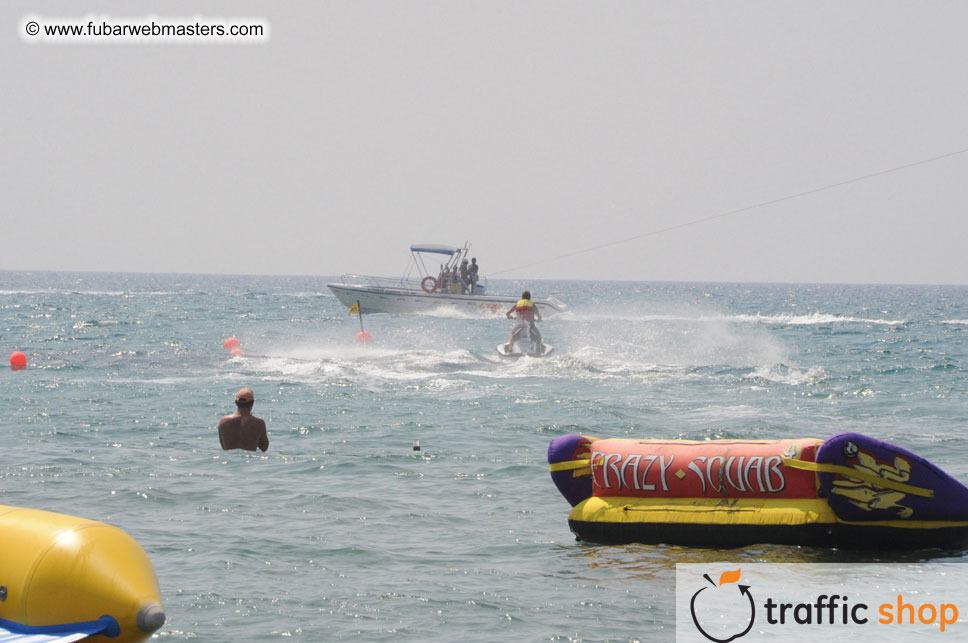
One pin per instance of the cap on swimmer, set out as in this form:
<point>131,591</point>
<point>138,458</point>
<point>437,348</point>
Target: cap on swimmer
<point>245,396</point>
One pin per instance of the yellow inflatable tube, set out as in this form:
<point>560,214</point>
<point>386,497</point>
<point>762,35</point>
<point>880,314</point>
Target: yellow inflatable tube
<point>63,574</point>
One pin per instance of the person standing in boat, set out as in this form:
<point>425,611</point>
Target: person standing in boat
<point>464,277</point>
<point>527,314</point>
<point>444,284</point>
<point>472,274</point>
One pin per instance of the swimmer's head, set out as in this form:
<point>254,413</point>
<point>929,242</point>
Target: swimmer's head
<point>245,397</point>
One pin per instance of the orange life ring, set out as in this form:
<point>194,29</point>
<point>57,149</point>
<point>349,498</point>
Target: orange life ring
<point>429,284</point>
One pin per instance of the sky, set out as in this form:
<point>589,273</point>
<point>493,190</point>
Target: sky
<point>746,141</point>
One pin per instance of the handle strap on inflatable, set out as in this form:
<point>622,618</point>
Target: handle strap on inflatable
<point>568,465</point>
<point>850,472</point>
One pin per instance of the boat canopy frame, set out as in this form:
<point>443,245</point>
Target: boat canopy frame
<point>455,257</point>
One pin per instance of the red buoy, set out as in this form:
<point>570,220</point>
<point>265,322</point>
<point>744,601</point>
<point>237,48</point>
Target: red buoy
<point>364,336</point>
<point>232,342</point>
<point>18,361</point>
<point>237,351</point>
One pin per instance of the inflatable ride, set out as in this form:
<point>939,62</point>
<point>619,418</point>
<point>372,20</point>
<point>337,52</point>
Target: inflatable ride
<point>849,491</point>
<point>64,578</point>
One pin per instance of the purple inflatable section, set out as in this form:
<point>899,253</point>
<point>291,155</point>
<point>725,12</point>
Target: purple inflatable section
<point>568,448</point>
<point>914,490</point>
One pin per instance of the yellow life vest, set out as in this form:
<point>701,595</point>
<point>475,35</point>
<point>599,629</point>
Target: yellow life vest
<point>525,309</point>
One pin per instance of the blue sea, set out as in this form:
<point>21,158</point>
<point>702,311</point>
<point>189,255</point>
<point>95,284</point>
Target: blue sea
<point>343,531</point>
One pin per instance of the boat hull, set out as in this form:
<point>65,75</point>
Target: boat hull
<point>502,350</point>
<point>374,299</point>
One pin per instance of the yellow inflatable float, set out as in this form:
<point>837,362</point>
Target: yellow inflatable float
<point>64,578</point>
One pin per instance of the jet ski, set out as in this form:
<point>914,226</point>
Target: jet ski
<point>523,343</point>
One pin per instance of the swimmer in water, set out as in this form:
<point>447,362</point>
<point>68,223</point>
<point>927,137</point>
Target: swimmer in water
<point>242,430</point>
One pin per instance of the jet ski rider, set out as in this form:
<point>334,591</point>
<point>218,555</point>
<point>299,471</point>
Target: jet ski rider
<point>527,314</point>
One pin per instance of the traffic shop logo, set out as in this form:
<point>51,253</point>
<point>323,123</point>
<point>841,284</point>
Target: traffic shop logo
<point>727,603</point>
<point>726,611</point>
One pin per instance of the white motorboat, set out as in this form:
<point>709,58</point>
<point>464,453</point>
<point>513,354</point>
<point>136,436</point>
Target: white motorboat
<point>423,290</point>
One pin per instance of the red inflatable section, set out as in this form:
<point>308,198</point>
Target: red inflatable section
<point>724,468</point>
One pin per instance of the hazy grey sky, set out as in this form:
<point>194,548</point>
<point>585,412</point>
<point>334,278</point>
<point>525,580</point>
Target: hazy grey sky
<point>531,129</point>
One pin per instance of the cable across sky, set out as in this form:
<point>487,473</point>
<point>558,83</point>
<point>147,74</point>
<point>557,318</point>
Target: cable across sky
<point>729,213</point>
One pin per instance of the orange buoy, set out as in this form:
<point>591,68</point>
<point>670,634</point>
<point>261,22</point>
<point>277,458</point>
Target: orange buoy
<point>364,336</point>
<point>232,342</point>
<point>18,361</point>
<point>237,351</point>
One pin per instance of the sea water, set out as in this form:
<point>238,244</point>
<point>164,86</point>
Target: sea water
<point>342,530</point>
